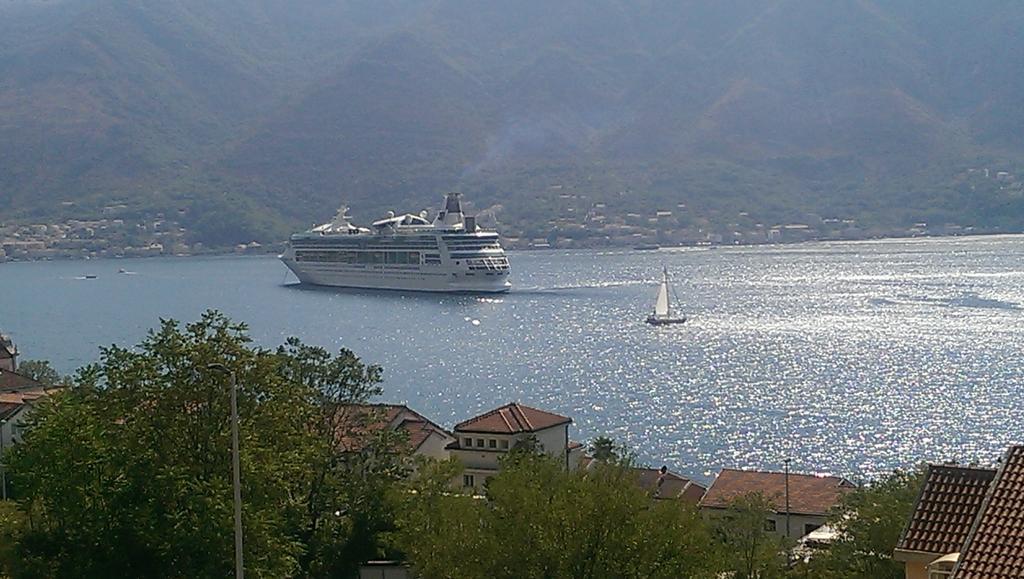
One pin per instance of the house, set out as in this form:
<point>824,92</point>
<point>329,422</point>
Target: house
<point>945,509</point>
<point>994,547</point>
<point>662,483</point>
<point>17,396</point>
<point>482,440</point>
<point>358,424</point>
<point>811,497</point>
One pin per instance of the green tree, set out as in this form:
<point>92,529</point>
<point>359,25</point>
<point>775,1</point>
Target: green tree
<point>12,522</point>
<point>604,448</point>
<point>538,520</point>
<point>41,371</point>
<point>127,473</point>
<point>348,478</point>
<point>750,551</point>
<point>868,522</point>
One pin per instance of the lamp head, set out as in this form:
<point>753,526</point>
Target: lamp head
<point>218,367</point>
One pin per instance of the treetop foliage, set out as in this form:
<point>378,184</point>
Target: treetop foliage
<point>127,473</point>
<point>538,520</point>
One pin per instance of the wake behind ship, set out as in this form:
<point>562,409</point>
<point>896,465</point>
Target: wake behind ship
<point>402,252</point>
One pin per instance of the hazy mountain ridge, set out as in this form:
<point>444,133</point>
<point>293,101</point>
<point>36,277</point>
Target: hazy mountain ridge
<point>267,112</point>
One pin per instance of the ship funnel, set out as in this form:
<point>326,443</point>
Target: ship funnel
<point>453,203</point>
<point>452,214</point>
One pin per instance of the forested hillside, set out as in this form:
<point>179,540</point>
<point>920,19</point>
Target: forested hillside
<point>247,118</point>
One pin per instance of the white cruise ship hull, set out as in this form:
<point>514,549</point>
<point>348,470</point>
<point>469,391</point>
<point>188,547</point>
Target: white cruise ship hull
<point>384,278</point>
<point>403,252</point>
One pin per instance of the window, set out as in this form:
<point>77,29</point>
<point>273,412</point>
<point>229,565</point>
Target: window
<point>467,480</point>
<point>810,528</point>
<point>770,525</point>
<point>492,443</point>
<point>504,445</point>
<point>480,443</point>
<point>467,442</point>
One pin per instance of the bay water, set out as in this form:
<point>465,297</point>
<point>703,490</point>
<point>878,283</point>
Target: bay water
<point>850,357</point>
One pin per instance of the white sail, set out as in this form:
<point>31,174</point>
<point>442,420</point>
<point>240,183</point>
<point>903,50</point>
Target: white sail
<point>661,304</point>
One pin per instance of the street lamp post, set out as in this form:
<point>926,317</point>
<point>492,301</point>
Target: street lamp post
<point>3,462</point>
<point>236,482</point>
<point>786,462</point>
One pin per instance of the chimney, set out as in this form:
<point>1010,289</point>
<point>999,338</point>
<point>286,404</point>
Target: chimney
<point>8,354</point>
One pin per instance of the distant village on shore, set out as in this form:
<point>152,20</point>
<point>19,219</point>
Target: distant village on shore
<point>577,222</point>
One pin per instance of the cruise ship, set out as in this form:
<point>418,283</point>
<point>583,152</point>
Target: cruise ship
<point>402,252</point>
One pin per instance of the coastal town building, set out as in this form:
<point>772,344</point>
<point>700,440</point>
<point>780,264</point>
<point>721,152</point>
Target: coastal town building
<point>358,424</point>
<point>15,405</point>
<point>807,504</point>
<point>943,514</point>
<point>994,547</point>
<point>481,441</point>
<point>18,394</point>
<point>661,483</point>
<point>967,523</point>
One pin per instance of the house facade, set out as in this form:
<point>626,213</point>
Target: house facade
<point>480,442</point>
<point>810,498</point>
<point>18,394</point>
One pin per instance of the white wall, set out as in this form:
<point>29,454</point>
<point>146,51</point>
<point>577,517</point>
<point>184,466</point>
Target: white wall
<point>796,522</point>
<point>434,446</point>
<point>13,423</point>
<point>553,439</point>
<point>7,436</point>
<point>384,571</point>
<point>478,458</point>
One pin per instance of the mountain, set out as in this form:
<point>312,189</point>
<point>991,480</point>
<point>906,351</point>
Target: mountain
<point>249,118</point>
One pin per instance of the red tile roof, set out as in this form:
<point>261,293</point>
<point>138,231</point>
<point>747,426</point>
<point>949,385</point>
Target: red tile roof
<point>14,381</point>
<point>418,430</point>
<point>945,509</point>
<point>16,391</point>
<point>808,494</point>
<point>512,419</point>
<point>674,486</point>
<point>7,409</point>
<point>994,549</point>
<point>358,423</point>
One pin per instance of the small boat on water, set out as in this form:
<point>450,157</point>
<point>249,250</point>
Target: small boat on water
<point>646,247</point>
<point>662,315</point>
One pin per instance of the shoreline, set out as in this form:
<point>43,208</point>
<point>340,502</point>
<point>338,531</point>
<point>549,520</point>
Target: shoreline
<point>608,247</point>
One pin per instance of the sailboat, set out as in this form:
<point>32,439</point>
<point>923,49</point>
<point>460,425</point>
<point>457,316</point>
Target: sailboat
<point>662,315</point>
